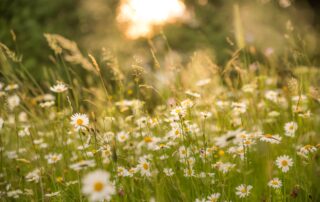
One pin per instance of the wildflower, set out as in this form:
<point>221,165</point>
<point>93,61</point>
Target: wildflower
<point>122,136</point>
<point>188,172</point>
<point>273,139</point>
<point>168,171</point>
<point>308,149</point>
<point>46,104</point>
<point>284,162</point>
<point>11,87</point>
<point>53,158</point>
<point>205,115</point>
<point>275,183</point>
<point>97,186</point>
<point>52,194</point>
<point>187,103</point>
<point>239,107</point>
<point>243,190</point>
<point>178,112</point>
<point>79,121</point>
<point>144,167</point>
<point>33,176</point>
<point>82,165</point>
<point>290,128</point>
<point>224,167</point>
<point>213,197</point>
<point>121,171</point>
<point>183,152</point>
<point>14,193</point>
<point>24,132</point>
<point>272,95</point>
<point>59,88</point>
<point>13,101</point>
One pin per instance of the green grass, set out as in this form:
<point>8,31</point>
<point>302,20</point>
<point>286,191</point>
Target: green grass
<point>138,103</point>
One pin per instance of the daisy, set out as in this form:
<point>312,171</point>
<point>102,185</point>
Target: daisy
<point>79,121</point>
<point>168,171</point>
<point>205,115</point>
<point>243,190</point>
<point>275,183</point>
<point>290,128</point>
<point>122,136</point>
<point>273,139</point>
<point>83,165</point>
<point>53,158</point>
<point>178,112</point>
<point>272,95</point>
<point>144,167</point>
<point>307,149</point>
<point>33,176</point>
<point>46,104</point>
<point>13,101</point>
<point>187,103</point>
<point>284,162</point>
<point>11,87</point>
<point>52,194</point>
<point>97,186</point>
<point>59,88</point>
<point>213,197</point>
<point>188,172</point>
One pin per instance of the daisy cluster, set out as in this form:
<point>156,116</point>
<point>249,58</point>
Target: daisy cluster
<point>257,142</point>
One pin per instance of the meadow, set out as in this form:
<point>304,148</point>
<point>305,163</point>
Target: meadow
<point>164,130</point>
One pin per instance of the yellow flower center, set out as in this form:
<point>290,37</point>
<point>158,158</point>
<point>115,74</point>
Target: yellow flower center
<point>148,139</point>
<point>98,186</point>
<point>308,147</point>
<point>221,152</point>
<point>145,166</point>
<point>268,135</point>
<point>79,122</point>
<point>284,163</point>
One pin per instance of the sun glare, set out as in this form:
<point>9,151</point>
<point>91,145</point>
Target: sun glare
<point>141,16</point>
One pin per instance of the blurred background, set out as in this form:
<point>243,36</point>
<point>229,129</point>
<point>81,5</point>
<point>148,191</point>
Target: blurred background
<point>217,27</point>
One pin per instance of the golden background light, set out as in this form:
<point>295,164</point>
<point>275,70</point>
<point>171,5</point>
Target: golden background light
<point>141,16</point>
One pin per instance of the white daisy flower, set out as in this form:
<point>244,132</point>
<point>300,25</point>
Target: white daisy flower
<point>59,88</point>
<point>168,171</point>
<point>11,87</point>
<point>144,167</point>
<point>83,165</point>
<point>79,121</point>
<point>97,186</point>
<point>188,172</point>
<point>33,176</point>
<point>213,197</point>
<point>308,149</point>
<point>122,136</point>
<point>284,162</point>
<point>205,115</point>
<point>275,183</point>
<point>243,190</point>
<point>53,158</point>
<point>273,139</point>
<point>290,128</point>
<point>13,101</point>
